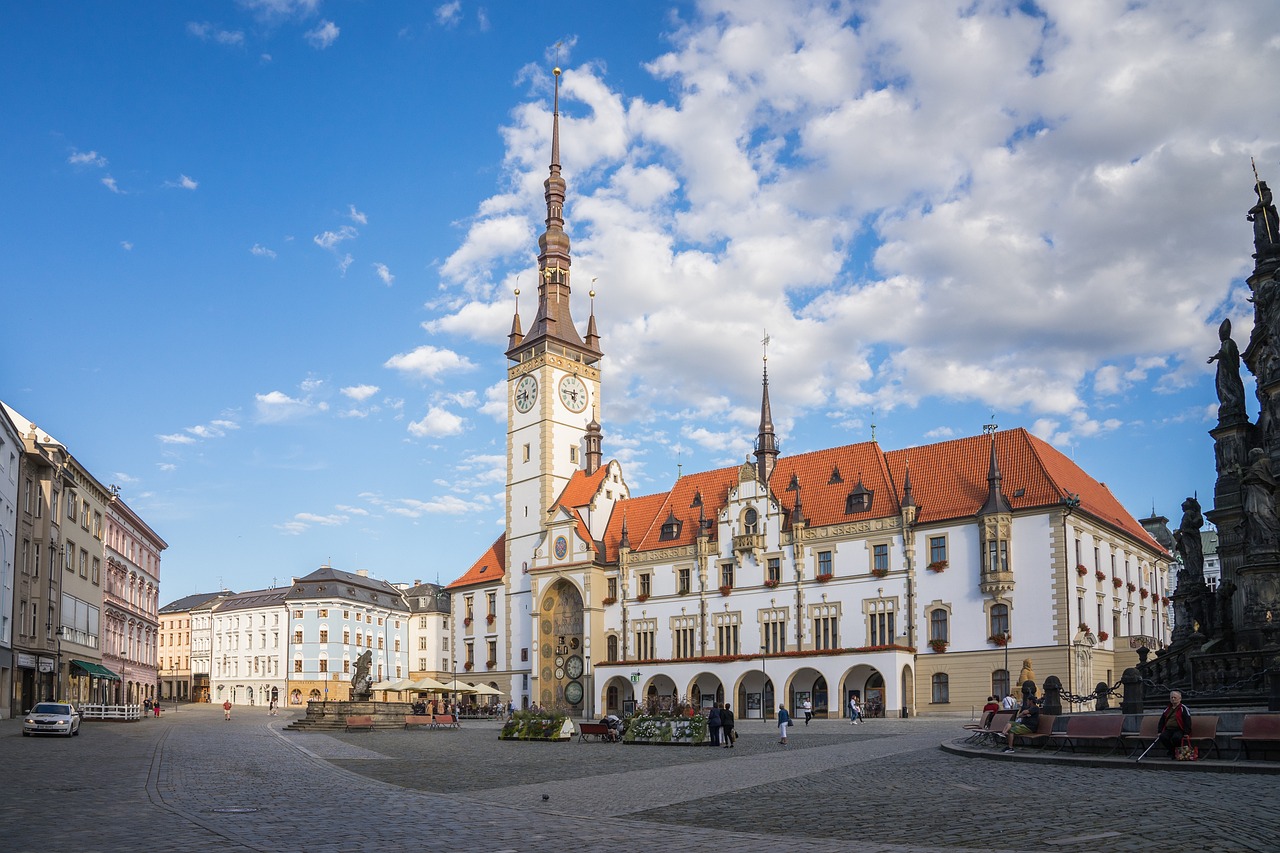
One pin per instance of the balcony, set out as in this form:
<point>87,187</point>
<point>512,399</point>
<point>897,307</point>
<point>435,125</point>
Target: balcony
<point>748,543</point>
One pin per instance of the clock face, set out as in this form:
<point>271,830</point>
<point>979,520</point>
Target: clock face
<point>573,667</point>
<point>526,392</point>
<point>573,693</point>
<point>559,660</point>
<point>573,393</point>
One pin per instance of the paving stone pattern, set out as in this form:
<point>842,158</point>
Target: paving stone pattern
<point>192,782</point>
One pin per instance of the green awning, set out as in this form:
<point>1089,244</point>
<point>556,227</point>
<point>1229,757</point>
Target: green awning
<point>96,670</point>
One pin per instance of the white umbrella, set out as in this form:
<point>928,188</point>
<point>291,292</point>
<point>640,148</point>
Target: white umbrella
<point>486,690</point>
<point>428,684</point>
<point>457,686</point>
<point>398,686</point>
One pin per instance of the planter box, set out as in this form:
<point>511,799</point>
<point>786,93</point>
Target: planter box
<point>672,732</point>
<point>537,729</point>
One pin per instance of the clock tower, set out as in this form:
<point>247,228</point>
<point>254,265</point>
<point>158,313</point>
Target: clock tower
<point>553,385</point>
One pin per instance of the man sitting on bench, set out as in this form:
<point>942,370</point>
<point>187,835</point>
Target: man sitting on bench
<point>615,727</point>
<point>1175,723</point>
<point>1025,723</point>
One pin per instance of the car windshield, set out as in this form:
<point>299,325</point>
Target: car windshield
<point>51,708</point>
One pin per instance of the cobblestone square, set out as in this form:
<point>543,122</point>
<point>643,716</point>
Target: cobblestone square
<point>193,782</point>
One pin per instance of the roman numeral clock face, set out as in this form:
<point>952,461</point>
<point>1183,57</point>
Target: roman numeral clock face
<point>526,393</point>
<point>573,393</point>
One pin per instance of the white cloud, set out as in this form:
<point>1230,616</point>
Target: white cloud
<point>176,438</point>
<point>325,34</point>
<point>183,183</point>
<point>428,362</point>
<point>325,520</point>
<point>448,14</point>
<point>360,393</point>
<point>384,274</point>
<point>110,183</point>
<point>262,251</point>
<point>345,263</point>
<point>127,480</point>
<point>437,423</point>
<point>292,528</point>
<point>278,407</point>
<point>87,158</point>
<point>126,245</point>
<point>330,239</point>
<point>167,466</point>
<point>280,9</point>
<point>356,216</point>
<point>206,31</point>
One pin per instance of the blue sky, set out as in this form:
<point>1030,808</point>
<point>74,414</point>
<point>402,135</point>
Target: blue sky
<point>261,255</point>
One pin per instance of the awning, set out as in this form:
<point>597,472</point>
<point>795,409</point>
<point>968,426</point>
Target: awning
<point>95,670</point>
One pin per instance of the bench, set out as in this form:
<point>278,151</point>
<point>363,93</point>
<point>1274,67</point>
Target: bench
<point>1204,731</point>
<point>1092,728</point>
<point>989,732</point>
<point>445,721</point>
<point>597,730</point>
<point>1044,731</point>
<point>1257,728</point>
<point>417,720</point>
<point>360,721</point>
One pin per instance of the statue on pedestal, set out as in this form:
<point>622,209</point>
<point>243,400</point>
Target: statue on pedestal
<point>1266,224</point>
<point>361,680</point>
<point>1230,388</point>
<point>1186,541</point>
<point>1261,527</point>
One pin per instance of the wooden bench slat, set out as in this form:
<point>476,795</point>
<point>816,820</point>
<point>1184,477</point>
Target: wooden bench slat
<point>359,721</point>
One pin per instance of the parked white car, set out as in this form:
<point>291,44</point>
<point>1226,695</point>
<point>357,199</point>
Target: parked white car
<point>52,718</point>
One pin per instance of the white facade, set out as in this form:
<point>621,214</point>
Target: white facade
<point>11,451</point>
<point>249,648</point>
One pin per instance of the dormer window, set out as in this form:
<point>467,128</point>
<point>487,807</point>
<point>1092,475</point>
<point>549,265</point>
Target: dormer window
<point>670,528</point>
<point>835,476</point>
<point>859,500</point>
<point>697,498</point>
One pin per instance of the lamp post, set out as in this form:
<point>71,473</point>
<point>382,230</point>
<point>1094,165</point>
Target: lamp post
<point>454,700</point>
<point>57,672</point>
<point>1008,679</point>
<point>590,686</point>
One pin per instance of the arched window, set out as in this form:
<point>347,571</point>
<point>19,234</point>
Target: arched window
<point>1000,683</point>
<point>751,521</point>
<point>611,647</point>
<point>938,625</point>
<point>999,620</point>
<point>941,688</point>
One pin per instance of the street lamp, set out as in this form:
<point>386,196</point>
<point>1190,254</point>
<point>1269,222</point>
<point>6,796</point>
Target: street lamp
<point>590,685</point>
<point>57,673</point>
<point>1008,679</point>
<point>455,685</point>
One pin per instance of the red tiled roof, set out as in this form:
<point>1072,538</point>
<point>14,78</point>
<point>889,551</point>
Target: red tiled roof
<point>949,480</point>
<point>489,568</point>
<point>638,514</point>
<point>582,487</point>
<point>824,495</point>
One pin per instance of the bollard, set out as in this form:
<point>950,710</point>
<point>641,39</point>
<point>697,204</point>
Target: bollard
<point>1100,692</point>
<point>1131,681</point>
<point>1052,703</point>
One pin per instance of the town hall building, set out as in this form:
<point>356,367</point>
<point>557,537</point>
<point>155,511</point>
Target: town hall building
<point>918,580</point>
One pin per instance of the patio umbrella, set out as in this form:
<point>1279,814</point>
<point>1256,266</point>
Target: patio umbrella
<point>486,690</point>
<point>429,685</point>
<point>398,686</point>
<point>457,686</point>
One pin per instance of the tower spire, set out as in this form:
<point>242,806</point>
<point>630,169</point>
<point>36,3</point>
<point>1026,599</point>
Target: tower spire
<point>766,442</point>
<point>553,320</point>
<point>996,501</point>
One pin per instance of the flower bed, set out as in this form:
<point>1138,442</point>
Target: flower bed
<point>678,730</point>
<point>938,646</point>
<point>771,583</point>
<point>825,577</point>
<point>531,725</point>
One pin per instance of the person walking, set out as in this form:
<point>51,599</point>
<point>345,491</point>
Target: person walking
<point>784,720</point>
<point>226,709</point>
<point>155,706</point>
<point>272,708</point>
<point>146,707</point>
<point>727,733</point>
<point>713,723</point>
<point>855,711</point>
<point>807,707</point>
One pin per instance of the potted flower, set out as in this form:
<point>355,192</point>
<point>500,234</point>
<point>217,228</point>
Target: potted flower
<point>1081,570</point>
<point>1164,599</point>
<point>1084,628</point>
<point>725,589</point>
<point>938,646</point>
<point>491,618</point>
<point>608,599</point>
<point>999,639</point>
<point>490,664</point>
<point>937,565</point>
<point>642,597</point>
<point>771,582</point>
<point>1131,586</point>
<point>826,576</point>
<point>468,666</point>
<point>877,572</point>
<point>467,622</point>
<point>1143,592</point>
<point>1103,636</point>
<point>1117,583</point>
<point>1099,575</point>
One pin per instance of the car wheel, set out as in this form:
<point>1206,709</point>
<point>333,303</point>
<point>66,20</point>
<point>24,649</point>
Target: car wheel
<point>26,734</point>
<point>76,731</point>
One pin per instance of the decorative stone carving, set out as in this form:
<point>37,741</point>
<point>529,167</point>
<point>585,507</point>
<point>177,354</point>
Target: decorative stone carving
<point>1230,388</point>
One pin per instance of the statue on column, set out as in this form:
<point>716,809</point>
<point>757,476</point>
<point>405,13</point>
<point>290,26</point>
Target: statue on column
<point>1261,527</point>
<point>1266,224</point>
<point>1230,388</point>
<point>1186,541</point>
